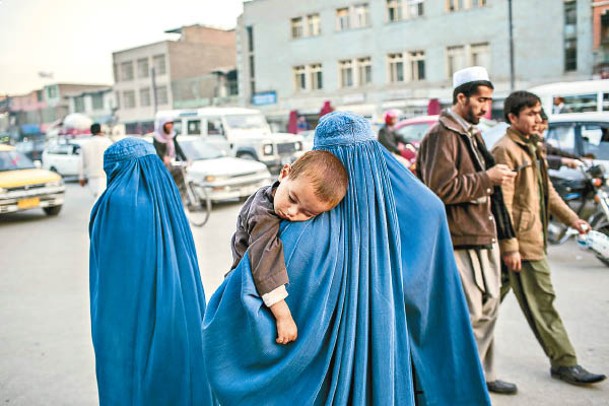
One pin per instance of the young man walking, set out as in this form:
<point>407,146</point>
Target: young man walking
<point>530,199</point>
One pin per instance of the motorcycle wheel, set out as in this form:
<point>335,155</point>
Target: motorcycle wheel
<point>604,230</point>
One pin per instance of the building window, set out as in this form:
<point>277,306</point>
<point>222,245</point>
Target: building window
<point>143,71</point>
<point>127,71</point>
<point>97,101</point>
<point>129,99</point>
<point>364,68</point>
<point>314,25</point>
<point>346,73</point>
<point>79,104</point>
<point>52,92</point>
<point>161,95</point>
<point>396,68</point>
<point>361,15</point>
<point>158,62</point>
<point>297,27</point>
<point>394,10</point>
<point>398,10</point>
<point>250,38</point>
<point>417,65</point>
<point>455,58</point>
<point>570,35</point>
<point>342,19</point>
<point>457,5</point>
<point>145,97</point>
<point>115,71</point>
<point>316,77</point>
<point>307,77</point>
<point>300,78</point>
<point>481,55</point>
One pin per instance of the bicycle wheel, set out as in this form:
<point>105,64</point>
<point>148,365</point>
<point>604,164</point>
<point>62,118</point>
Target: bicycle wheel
<point>198,207</point>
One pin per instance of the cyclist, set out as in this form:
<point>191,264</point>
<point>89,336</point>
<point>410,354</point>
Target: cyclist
<point>169,150</point>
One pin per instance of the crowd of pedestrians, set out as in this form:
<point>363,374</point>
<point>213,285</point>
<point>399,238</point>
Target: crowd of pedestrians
<point>332,298</point>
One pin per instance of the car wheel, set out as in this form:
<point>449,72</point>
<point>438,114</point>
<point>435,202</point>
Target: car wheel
<point>246,155</point>
<point>52,211</point>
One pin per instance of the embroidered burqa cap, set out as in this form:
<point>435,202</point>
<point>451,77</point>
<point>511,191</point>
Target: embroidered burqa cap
<point>471,74</point>
<point>374,291</point>
<point>147,300</point>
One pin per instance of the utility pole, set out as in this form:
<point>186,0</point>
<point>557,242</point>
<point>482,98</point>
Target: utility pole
<point>511,31</point>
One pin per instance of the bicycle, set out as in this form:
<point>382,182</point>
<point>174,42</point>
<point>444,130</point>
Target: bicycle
<point>195,199</point>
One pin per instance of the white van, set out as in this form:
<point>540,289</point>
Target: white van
<point>247,132</point>
<point>579,96</point>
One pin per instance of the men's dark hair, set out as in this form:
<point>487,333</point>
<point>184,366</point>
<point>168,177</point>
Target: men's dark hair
<point>95,128</point>
<point>544,116</point>
<point>470,88</point>
<point>518,101</point>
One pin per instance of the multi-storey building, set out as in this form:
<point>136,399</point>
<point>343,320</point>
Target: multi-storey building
<point>369,56</point>
<point>194,71</point>
<point>45,107</point>
<point>601,38</point>
<point>99,105</point>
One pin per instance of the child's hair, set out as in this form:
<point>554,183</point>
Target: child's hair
<point>326,173</point>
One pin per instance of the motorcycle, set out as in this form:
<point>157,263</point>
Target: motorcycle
<point>588,196</point>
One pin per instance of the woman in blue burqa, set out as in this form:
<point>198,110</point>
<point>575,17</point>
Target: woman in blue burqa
<point>373,289</point>
<point>147,300</point>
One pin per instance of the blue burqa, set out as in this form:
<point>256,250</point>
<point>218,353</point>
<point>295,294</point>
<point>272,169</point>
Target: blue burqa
<point>147,300</point>
<point>373,289</point>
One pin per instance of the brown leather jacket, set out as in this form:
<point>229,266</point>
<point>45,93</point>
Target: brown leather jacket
<point>523,199</point>
<point>448,163</point>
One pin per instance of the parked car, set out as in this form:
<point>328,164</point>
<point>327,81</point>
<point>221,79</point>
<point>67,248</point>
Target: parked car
<point>223,177</point>
<point>63,156</point>
<point>31,147</point>
<point>23,186</point>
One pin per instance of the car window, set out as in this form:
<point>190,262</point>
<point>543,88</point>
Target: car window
<point>60,149</point>
<point>11,160</point>
<point>562,136</point>
<point>214,126</point>
<point>580,103</point>
<point>194,127</point>
<point>200,149</point>
<point>413,132</point>
<point>595,137</point>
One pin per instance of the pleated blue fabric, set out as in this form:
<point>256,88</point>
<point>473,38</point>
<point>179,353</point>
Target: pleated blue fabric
<point>147,300</point>
<point>373,289</point>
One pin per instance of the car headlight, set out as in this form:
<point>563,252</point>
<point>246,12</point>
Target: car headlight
<point>267,149</point>
<point>54,183</point>
<point>3,191</point>
<point>298,146</point>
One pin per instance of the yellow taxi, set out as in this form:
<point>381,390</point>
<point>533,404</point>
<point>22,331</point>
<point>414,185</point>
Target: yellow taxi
<point>23,186</point>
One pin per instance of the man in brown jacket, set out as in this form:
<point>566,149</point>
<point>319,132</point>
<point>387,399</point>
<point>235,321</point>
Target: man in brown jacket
<point>454,163</point>
<point>530,199</point>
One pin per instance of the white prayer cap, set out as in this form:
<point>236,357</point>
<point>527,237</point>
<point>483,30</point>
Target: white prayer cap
<point>471,74</point>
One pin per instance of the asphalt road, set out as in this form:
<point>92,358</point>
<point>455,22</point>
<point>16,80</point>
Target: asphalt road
<point>46,357</point>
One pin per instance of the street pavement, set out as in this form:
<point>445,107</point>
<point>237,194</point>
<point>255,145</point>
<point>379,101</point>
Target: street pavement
<point>46,357</point>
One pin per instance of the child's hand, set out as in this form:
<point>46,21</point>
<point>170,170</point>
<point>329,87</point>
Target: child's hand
<point>286,327</point>
<point>286,330</point>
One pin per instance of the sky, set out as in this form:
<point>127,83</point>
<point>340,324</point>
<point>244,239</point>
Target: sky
<point>74,39</point>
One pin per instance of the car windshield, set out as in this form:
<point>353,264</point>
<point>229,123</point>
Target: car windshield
<point>199,149</point>
<point>414,132</point>
<point>12,160</point>
<point>246,121</point>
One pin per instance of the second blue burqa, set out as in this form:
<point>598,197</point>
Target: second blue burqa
<point>373,289</point>
<point>147,300</point>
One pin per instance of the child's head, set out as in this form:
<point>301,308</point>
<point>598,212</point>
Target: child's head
<point>315,183</point>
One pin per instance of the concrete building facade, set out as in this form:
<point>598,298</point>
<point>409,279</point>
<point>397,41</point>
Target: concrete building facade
<point>371,56</point>
<point>189,72</point>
